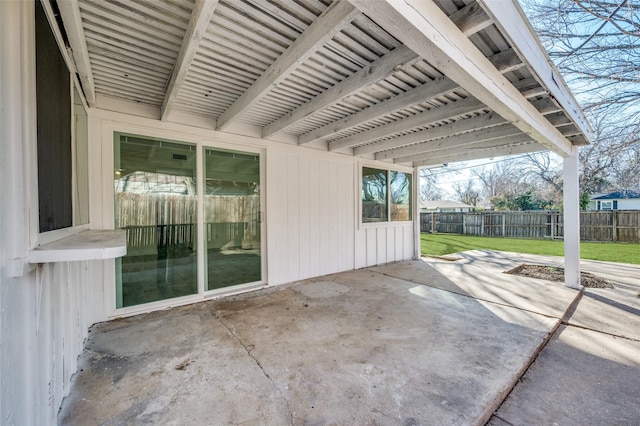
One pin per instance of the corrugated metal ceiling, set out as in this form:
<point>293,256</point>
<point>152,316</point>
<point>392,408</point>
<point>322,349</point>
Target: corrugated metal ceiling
<point>134,46</point>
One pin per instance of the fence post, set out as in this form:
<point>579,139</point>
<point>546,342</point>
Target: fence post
<point>481,224</point>
<point>614,225</point>
<point>504,225</point>
<point>432,222</point>
<point>464,223</point>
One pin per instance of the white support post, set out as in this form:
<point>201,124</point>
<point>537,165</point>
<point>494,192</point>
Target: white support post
<point>571,220</point>
<point>416,213</point>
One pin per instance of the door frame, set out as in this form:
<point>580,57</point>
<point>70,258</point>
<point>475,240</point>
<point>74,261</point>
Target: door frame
<point>239,288</point>
<point>105,204</point>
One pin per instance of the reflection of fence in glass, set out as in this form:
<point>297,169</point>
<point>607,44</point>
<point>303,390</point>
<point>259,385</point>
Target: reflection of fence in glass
<point>373,211</point>
<point>230,221</point>
<point>400,212</point>
<point>400,191</point>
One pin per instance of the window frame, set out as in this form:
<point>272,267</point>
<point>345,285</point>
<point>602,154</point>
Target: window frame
<point>76,93</point>
<point>606,205</point>
<point>389,221</point>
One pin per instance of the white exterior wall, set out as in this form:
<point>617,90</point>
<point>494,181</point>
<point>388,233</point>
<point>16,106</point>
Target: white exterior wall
<point>45,311</point>
<point>45,320</point>
<point>311,207</point>
<point>383,244</point>
<point>312,227</point>
<point>629,204</point>
<point>623,204</point>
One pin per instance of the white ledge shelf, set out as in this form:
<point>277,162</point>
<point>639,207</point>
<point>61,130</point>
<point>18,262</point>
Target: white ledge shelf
<point>85,245</point>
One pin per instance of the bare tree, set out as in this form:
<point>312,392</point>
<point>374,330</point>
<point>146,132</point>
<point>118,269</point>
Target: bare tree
<point>467,192</point>
<point>501,179</point>
<point>429,188</point>
<point>596,46</point>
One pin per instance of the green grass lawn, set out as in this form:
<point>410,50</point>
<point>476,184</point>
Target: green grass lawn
<point>442,244</point>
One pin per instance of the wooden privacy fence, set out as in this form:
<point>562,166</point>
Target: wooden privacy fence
<point>610,226</point>
<point>170,219</point>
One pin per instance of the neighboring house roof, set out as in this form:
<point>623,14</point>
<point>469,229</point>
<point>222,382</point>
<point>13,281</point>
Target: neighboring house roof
<point>444,204</point>
<point>617,195</point>
<point>418,83</point>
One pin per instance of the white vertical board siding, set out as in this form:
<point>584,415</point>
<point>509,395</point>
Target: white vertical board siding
<point>45,312</point>
<point>310,217</point>
<point>45,320</point>
<point>390,242</point>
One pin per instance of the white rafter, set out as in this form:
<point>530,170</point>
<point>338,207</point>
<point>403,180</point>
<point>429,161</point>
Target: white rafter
<point>422,26</point>
<point>70,12</point>
<point>471,19</point>
<point>337,16</point>
<point>372,73</point>
<point>495,136</point>
<point>427,91</point>
<point>544,106</point>
<point>459,140</point>
<point>475,154</point>
<point>431,116</point>
<point>200,17</point>
<point>445,130</point>
<point>504,61</point>
<point>511,20</point>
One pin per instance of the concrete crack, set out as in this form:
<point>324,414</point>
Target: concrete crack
<point>518,378</point>
<point>503,420</point>
<point>257,362</point>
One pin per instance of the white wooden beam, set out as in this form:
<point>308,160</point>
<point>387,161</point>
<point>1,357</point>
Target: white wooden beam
<point>200,18</point>
<point>471,19</point>
<point>510,19</point>
<point>337,16</point>
<point>72,20</point>
<point>449,141</point>
<point>544,106</point>
<point>481,153</point>
<point>504,60</point>
<point>423,27</point>
<point>459,126</point>
<point>461,144</point>
<point>372,73</point>
<point>437,87</point>
<point>432,116</point>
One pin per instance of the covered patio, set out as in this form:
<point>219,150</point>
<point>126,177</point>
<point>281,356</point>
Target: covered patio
<point>163,153</point>
<point>410,343</point>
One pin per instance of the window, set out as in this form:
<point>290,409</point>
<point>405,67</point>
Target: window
<point>374,195</point>
<point>606,205</point>
<point>63,192</point>
<point>386,195</point>
<point>400,184</point>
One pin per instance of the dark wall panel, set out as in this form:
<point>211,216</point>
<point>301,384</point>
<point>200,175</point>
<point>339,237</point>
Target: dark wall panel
<point>54,130</point>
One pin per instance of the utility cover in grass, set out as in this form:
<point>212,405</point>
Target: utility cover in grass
<point>555,273</point>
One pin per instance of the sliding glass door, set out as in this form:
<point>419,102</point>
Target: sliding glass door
<point>232,218</point>
<point>156,202</point>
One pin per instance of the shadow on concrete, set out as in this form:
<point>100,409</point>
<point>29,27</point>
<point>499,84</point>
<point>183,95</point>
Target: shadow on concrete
<point>416,342</point>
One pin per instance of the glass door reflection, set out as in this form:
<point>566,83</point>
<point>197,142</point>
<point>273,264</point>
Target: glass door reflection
<point>232,218</point>
<point>155,202</point>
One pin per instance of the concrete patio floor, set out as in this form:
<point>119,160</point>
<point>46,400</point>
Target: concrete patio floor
<point>416,342</point>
